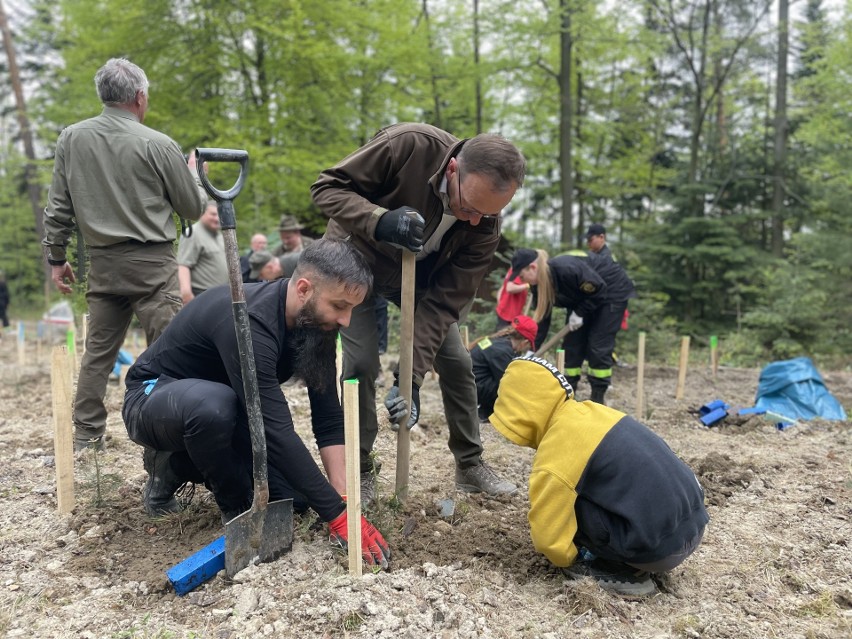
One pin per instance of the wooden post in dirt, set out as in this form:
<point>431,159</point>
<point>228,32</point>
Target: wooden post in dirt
<point>353,473</point>
<point>560,360</point>
<point>714,355</point>
<point>339,363</point>
<point>63,447</point>
<point>406,372</point>
<point>640,378</point>
<point>681,370</point>
<point>22,351</point>
<point>71,345</point>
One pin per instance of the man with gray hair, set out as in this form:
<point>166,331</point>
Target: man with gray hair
<point>119,181</point>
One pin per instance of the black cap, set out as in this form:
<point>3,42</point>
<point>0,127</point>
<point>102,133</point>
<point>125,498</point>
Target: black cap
<point>522,259</point>
<point>595,229</point>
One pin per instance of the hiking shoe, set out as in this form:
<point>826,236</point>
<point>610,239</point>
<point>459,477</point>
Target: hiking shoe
<point>85,442</point>
<point>482,479</point>
<point>614,577</point>
<point>158,496</point>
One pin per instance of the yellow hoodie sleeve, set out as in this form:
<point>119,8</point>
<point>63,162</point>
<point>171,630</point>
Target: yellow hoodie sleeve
<point>553,523</point>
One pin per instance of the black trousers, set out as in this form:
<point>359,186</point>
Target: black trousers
<point>204,424</point>
<point>595,342</point>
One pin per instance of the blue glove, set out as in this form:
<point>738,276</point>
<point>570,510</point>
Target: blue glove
<point>397,408</point>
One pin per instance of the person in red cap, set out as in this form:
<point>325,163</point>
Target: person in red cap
<point>491,355</point>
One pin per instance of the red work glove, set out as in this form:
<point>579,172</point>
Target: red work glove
<point>374,548</point>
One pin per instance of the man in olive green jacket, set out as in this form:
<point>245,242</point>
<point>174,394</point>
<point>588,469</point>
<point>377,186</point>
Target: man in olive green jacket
<point>119,181</point>
<point>418,188</point>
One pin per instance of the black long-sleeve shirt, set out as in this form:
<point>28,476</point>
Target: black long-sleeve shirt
<point>201,343</point>
<point>490,357</point>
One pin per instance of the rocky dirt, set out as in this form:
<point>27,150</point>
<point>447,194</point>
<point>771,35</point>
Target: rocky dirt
<point>775,561</point>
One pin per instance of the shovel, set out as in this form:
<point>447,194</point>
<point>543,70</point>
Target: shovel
<point>264,532</point>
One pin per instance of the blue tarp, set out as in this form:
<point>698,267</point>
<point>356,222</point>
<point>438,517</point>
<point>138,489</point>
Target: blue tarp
<point>794,389</point>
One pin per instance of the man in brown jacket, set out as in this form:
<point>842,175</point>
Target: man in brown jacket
<point>418,188</point>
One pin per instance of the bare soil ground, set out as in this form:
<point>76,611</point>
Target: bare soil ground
<point>775,561</point>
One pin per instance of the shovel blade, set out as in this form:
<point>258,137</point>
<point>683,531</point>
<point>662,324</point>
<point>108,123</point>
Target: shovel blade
<point>258,536</point>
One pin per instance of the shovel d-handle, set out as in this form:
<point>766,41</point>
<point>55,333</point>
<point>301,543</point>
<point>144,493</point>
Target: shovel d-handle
<point>227,219</point>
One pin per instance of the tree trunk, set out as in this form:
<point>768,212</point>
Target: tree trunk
<point>30,171</point>
<point>578,181</point>
<point>476,66</point>
<point>436,100</point>
<point>780,163</point>
<point>565,132</point>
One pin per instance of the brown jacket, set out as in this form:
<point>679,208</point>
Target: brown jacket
<point>403,165</point>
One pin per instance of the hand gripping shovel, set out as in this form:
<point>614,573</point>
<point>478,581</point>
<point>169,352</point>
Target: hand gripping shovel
<point>265,531</point>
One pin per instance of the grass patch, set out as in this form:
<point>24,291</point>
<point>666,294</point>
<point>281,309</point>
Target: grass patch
<point>822,606</point>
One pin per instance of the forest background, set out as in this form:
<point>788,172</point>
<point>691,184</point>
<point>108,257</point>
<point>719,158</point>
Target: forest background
<point>713,138</point>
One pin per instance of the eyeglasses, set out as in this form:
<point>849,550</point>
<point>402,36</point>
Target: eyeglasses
<point>464,209</point>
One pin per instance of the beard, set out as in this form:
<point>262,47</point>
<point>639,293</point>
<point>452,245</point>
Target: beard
<point>315,349</point>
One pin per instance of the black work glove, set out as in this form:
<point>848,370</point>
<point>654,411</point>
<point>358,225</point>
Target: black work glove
<point>395,403</point>
<point>402,228</point>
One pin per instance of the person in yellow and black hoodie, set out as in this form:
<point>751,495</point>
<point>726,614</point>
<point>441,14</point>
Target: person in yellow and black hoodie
<point>608,498</point>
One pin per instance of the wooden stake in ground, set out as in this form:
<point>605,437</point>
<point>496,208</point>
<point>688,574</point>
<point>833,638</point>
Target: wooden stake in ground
<point>63,446</point>
<point>560,360</point>
<point>22,352</point>
<point>71,345</point>
<point>681,369</point>
<point>353,473</point>
<point>640,378</point>
<point>714,355</point>
<point>339,362</point>
<point>406,372</point>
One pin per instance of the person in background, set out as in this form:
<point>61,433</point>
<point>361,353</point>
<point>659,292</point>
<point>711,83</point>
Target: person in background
<point>119,181</point>
<point>265,267</point>
<point>612,313</point>
<point>4,301</point>
<point>570,282</point>
<point>292,240</point>
<point>511,299</point>
<point>258,243</point>
<point>596,239</point>
<point>417,188</point>
<point>201,256</point>
<point>185,399</point>
<point>608,498</point>
<point>491,355</point>
<point>124,359</point>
